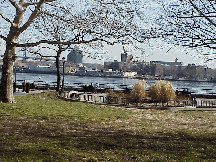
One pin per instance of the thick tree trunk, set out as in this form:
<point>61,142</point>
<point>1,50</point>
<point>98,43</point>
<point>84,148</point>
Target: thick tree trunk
<point>58,71</point>
<point>10,56</point>
<point>7,75</point>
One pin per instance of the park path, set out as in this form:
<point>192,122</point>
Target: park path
<point>20,93</point>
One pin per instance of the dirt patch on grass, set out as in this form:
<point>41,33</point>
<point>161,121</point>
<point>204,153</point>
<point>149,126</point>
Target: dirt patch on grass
<point>143,137</point>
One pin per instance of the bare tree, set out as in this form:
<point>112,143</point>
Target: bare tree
<point>108,21</point>
<point>55,28</point>
<point>192,24</point>
<point>99,22</point>
<point>17,26</point>
<point>58,51</point>
<point>83,27</point>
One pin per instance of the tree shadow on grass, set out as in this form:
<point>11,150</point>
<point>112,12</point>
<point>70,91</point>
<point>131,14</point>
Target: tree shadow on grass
<point>59,140</point>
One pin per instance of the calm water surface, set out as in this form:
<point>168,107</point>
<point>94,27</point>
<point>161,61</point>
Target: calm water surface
<point>116,83</point>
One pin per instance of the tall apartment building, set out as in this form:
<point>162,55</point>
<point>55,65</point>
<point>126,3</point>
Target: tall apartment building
<point>123,57</point>
<point>75,56</point>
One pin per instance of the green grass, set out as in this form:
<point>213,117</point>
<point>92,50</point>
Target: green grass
<point>44,128</point>
<point>47,106</point>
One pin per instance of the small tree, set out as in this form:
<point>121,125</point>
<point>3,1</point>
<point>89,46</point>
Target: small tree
<point>139,90</point>
<point>162,91</point>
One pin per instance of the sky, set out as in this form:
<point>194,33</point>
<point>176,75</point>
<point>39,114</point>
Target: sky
<point>154,50</point>
<point>111,53</point>
<point>158,51</point>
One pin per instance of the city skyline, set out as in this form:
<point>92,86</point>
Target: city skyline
<point>114,53</point>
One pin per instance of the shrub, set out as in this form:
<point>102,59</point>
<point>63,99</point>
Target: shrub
<point>139,90</point>
<point>111,95</point>
<point>162,91</point>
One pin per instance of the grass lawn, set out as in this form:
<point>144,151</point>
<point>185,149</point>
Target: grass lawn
<point>44,128</point>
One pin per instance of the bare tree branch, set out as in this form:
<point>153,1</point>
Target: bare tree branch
<point>211,4</point>
<point>35,52</point>
<point>64,9</point>
<point>39,53</point>
<point>62,43</point>
<point>206,17</point>
<point>6,19</point>
<point>56,16</point>
<point>1,36</point>
<point>32,16</point>
<point>29,4</point>
<point>47,1</point>
<point>205,34</point>
<point>195,16</point>
<point>14,4</point>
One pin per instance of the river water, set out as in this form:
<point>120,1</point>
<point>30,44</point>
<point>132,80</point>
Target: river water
<point>116,83</point>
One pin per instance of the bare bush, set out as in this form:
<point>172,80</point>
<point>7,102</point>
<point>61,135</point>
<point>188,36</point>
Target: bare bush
<point>112,95</point>
<point>162,91</point>
<point>139,90</point>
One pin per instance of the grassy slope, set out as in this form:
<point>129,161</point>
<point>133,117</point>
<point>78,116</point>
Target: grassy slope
<point>44,128</point>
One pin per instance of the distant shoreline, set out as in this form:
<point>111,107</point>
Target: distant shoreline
<point>116,76</point>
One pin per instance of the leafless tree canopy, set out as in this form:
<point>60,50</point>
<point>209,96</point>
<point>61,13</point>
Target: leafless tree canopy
<point>109,21</point>
<point>192,24</point>
<point>82,22</point>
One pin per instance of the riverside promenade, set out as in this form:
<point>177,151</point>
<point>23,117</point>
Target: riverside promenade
<point>186,108</point>
<point>100,99</point>
<point>20,93</point>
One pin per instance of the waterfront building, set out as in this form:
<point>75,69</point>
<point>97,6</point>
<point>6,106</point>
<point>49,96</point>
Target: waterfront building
<point>75,56</point>
<point>130,74</point>
<point>123,57</point>
<point>41,68</point>
<point>195,72</point>
<point>210,74</point>
<point>111,65</point>
<point>166,63</point>
<point>163,68</point>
